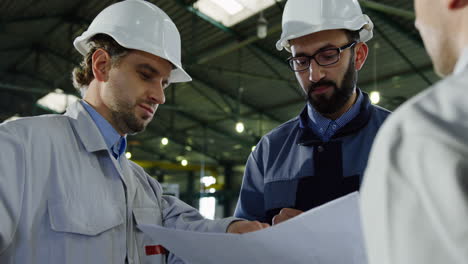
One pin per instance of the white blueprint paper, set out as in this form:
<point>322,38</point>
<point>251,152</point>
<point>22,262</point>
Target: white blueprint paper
<point>329,234</point>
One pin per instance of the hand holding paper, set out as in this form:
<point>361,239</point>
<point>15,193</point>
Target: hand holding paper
<point>285,214</point>
<point>241,227</point>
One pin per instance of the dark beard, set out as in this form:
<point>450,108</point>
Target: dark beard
<point>340,95</point>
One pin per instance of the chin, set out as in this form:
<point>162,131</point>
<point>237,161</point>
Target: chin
<point>137,126</point>
<point>444,68</point>
<point>136,130</point>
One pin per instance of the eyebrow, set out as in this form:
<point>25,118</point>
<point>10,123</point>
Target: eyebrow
<point>148,67</point>
<point>303,54</point>
<point>152,70</point>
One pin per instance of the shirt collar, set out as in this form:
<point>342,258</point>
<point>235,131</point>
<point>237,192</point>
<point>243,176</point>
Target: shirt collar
<point>115,143</point>
<point>462,62</point>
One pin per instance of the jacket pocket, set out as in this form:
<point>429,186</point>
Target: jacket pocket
<point>88,219</point>
<point>148,250</point>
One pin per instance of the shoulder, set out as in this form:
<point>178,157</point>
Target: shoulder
<point>136,167</point>
<point>283,130</point>
<point>140,171</point>
<point>144,178</point>
<point>37,125</point>
<point>279,139</point>
<point>437,113</point>
<point>381,111</point>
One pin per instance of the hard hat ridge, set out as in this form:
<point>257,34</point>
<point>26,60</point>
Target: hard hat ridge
<point>304,17</point>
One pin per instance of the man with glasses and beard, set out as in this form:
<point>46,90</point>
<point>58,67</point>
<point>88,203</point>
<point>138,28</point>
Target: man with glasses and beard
<point>321,154</point>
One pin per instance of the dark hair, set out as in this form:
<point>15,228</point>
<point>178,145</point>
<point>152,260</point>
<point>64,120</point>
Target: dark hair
<point>352,35</point>
<point>83,74</point>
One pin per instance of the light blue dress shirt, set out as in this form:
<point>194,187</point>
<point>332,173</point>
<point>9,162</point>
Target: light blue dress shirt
<point>115,143</point>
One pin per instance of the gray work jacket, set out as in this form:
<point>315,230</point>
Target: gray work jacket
<point>62,201</point>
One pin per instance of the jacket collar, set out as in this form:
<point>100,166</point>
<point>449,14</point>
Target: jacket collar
<point>85,128</point>
<point>308,137</point>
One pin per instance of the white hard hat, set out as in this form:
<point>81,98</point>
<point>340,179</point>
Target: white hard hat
<point>139,25</point>
<point>304,17</point>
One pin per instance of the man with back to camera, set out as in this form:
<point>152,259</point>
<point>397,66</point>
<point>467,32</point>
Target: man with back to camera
<point>67,192</point>
<point>415,193</point>
<point>321,154</point>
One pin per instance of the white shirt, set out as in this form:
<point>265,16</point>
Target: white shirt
<point>415,190</point>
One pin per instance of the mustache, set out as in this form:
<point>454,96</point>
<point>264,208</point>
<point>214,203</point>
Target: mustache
<point>314,86</point>
<point>148,103</point>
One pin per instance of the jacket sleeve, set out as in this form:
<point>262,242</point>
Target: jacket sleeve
<point>415,199</point>
<point>251,198</point>
<point>177,214</point>
<point>180,215</point>
<point>12,180</point>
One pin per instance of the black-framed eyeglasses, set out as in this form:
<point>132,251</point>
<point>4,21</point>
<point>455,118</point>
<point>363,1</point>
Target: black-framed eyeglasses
<point>324,57</point>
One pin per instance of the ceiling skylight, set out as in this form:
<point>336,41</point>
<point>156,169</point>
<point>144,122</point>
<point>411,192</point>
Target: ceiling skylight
<point>230,6</point>
<point>14,117</point>
<point>231,12</point>
<point>57,101</point>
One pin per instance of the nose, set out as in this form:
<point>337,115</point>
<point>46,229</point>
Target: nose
<point>156,94</point>
<point>316,72</point>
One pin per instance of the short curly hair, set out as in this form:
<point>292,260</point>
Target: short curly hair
<point>83,74</point>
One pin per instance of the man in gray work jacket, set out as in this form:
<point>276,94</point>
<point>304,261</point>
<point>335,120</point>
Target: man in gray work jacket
<point>67,194</point>
<point>321,154</point>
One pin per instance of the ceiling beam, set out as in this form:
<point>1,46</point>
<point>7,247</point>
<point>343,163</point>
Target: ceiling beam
<point>177,139</point>
<point>414,37</point>
<point>30,19</point>
<point>386,9</point>
<point>241,73</point>
<point>207,83</point>
<point>259,56</point>
<point>238,42</point>
<point>403,55</point>
<point>211,100</point>
<point>216,130</point>
<point>23,89</point>
<point>232,45</point>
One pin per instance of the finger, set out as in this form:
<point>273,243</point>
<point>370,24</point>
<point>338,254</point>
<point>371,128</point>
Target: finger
<point>274,221</point>
<point>261,225</point>
<point>251,226</point>
<point>279,218</point>
<point>290,212</point>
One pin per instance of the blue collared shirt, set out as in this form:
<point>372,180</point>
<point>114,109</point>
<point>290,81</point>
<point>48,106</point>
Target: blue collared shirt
<point>115,143</point>
<point>325,128</point>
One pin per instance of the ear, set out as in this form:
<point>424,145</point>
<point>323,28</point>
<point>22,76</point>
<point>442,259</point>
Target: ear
<point>457,4</point>
<point>101,65</point>
<point>360,55</point>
